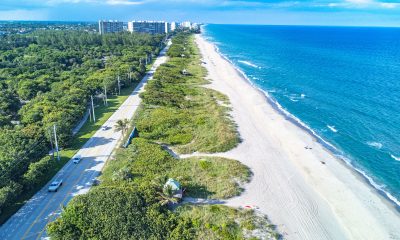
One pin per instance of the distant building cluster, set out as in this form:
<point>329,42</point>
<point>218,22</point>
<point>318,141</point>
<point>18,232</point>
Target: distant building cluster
<point>151,27</point>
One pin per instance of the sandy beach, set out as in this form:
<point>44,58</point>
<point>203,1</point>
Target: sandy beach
<point>307,193</point>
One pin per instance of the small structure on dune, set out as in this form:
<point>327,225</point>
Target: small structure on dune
<point>134,134</point>
<point>175,187</point>
<point>185,72</point>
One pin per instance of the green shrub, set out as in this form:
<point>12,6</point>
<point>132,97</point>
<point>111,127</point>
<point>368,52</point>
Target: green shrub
<point>39,172</point>
<point>112,214</point>
<point>8,194</point>
<point>204,164</point>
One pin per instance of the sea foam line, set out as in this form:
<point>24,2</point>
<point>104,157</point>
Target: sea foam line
<point>395,158</point>
<point>377,145</point>
<point>274,103</point>
<point>332,128</point>
<point>249,64</point>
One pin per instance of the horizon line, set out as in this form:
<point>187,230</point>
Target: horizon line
<point>244,24</point>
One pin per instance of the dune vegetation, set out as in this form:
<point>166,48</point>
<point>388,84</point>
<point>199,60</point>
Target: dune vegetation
<point>131,202</point>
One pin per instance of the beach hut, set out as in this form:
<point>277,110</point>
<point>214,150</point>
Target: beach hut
<point>175,186</point>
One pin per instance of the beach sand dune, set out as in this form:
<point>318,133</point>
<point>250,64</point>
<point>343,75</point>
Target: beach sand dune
<point>303,188</point>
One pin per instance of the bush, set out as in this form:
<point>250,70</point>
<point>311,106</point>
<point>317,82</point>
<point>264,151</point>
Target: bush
<point>8,194</point>
<point>39,173</point>
<point>204,164</point>
<point>112,214</point>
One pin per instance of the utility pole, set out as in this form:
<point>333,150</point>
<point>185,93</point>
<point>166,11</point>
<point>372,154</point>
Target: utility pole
<point>119,86</point>
<point>105,93</point>
<point>56,142</point>
<point>94,117</point>
<point>90,115</point>
<point>51,143</point>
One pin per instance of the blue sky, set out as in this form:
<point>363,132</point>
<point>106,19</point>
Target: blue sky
<point>312,12</point>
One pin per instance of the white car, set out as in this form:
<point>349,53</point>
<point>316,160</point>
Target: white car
<point>76,159</point>
<point>54,186</point>
<point>104,128</point>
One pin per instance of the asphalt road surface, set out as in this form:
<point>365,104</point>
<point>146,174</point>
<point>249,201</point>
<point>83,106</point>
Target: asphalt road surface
<point>31,220</point>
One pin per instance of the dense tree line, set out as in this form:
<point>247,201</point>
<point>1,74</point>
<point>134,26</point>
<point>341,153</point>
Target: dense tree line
<point>24,27</point>
<point>46,78</point>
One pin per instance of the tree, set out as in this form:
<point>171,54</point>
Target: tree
<point>38,172</point>
<point>166,196</point>
<point>108,213</point>
<point>122,125</point>
<point>46,78</point>
<point>122,174</point>
<point>8,194</point>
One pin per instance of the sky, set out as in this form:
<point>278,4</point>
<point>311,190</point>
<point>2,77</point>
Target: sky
<point>275,12</point>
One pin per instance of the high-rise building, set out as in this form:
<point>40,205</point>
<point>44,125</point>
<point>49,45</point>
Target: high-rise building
<point>110,26</point>
<point>173,26</point>
<point>167,27</point>
<point>186,25</point>
<point>151,27</point>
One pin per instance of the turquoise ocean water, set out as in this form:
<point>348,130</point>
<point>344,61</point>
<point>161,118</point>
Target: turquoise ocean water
<point>340,83</point>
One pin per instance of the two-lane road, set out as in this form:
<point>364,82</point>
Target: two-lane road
<point>31,220</point>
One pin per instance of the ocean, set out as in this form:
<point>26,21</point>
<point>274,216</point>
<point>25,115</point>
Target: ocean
<point>342,84</point>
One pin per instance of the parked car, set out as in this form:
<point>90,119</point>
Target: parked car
<point>104,128</point>
<point>54,186</point>
<point>76,159</point>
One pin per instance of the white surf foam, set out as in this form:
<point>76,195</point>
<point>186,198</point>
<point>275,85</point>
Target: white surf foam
<point>380,188</point>
<point>332,128</point>
<point>249,64</point>
<point>395,158</point>
<point>376,145</point>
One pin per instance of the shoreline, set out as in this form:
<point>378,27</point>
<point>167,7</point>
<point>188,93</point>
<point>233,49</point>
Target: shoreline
<point>333,187</point>
<point>329,147</point>
<point>339,155</point>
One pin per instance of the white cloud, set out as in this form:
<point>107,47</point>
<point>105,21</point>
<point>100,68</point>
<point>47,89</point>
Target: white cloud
<point>21,14</point>
<point>360,1</point>
<point>369,4</point>
<point>108,2</point>
<point>389,5</point>
<point>123,2</point>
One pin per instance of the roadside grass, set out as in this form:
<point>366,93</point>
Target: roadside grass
<point>222,222</point>
<point>88,129</point>
<point>180,111</point>
<point>102,113</point>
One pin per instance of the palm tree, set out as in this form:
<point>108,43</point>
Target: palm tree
<point>166,196</point>
<point>122,125</point>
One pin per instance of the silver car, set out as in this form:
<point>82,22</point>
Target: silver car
<point>54,186</point>
<point>77,159</point>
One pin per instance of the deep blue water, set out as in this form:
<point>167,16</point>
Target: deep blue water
<point>342,82</point>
